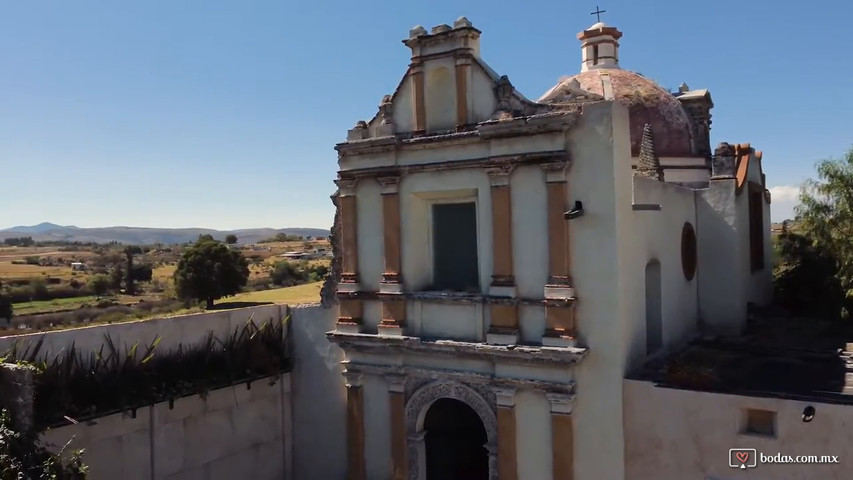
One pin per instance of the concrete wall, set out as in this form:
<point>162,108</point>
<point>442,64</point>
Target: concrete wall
<point>680,434</point>
<point>175,330</point>
<point>319,397</point>
<point>234,432</point>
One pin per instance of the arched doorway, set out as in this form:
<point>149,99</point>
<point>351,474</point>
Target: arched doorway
<point>455,442</point>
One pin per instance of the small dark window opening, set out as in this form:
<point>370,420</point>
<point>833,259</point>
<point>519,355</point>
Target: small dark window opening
<point>756,227</point>
<point>689,255</point>
<point>760,422</point>
<point>595,54</point>
<point>455,264</point>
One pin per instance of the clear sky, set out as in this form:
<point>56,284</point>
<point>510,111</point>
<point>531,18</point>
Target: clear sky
<point>224,114</point>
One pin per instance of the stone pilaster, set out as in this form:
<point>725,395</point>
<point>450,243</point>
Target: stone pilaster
<point>507,456</point>
<point>349,234</point>
<point>504,318</point>
<point>559,314</point>
<point>356,469</point>
<point>463,67</point>
<point>562,436</point>
<point>416,73</point>
<point>399,457</point>
<point>391,277</point>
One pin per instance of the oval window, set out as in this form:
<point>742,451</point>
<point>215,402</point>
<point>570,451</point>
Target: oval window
<point>688,251</point>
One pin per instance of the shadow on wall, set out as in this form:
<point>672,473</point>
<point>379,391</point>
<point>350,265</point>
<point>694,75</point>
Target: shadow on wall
<point>319,397</point>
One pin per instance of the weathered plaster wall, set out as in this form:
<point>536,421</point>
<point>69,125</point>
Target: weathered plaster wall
<point>533,435</point>
<point>657,235</point>
<point>234,432</point>
<point>671,433</point>
<point>319,397</point>
<point>600,246</point>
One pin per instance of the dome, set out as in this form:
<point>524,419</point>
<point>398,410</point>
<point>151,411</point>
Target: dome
<point>648,103</point>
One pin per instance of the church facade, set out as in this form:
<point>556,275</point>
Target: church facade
<point>506,262</point>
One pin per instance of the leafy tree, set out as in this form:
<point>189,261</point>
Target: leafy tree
<point>209,270</point>
<point>129,252</point>
<point>99,284</point>
<point>287,274</point>
<point>6,309</point>
<point>116,277</point>
<point>231,239</point>
<point>825,216</point>
<point>39,288</point>
<point>142,273</point>
<point>204,237</point>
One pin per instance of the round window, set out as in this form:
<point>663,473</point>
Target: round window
<point>688,251</point>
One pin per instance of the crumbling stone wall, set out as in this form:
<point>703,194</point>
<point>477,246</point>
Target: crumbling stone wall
<point>330,283</point>
<point>17,395</point>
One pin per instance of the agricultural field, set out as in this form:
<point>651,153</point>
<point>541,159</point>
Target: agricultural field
<point>41,281</point>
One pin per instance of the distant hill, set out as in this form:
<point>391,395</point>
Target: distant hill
<point>146,236</point>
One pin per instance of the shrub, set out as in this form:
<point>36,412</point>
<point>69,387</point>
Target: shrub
<point>22,456</point>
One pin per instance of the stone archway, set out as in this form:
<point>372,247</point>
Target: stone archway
<point>416,410</point>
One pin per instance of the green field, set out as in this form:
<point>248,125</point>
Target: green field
<point>47,306</point>
<point>308,293</point>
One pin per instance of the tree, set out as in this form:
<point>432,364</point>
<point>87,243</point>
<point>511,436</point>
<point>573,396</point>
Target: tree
<point>6,309</point>
<point>129,252</point>
<point>99,284</point>
<point>204,237</point>
<point>231,239</point>
<point>209,270</point>
<point>142,273</point>
<point>287,274</point>
<point>825,216</point>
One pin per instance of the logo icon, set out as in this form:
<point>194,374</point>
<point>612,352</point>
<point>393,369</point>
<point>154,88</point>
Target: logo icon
<point>743,458</point>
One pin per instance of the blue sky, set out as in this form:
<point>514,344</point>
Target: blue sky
<point>224,114</point>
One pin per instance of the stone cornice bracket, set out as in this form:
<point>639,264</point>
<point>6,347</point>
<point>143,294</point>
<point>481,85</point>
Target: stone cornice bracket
<point>555,172</point>
<point>346,186</point>
<point>396,383</point>
<point>504,396</point>
<point>389,185</point>
<point>353,377</point>
<point>499,175</point>
<point>561,403</point>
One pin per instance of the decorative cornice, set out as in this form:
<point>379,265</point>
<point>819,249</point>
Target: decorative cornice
<point>504,396</point>
<point>368,343</point>
<point>532,158</point>
<point>396,382</point>
<point>555,172</point>
<point>389,185</point>
<point>559,121</point>
<point>499,174</point>
<point>560,402</point>
<point>353,377</point>
<point>505,384</point>
<point>455,298</point>
<point>346,186</point>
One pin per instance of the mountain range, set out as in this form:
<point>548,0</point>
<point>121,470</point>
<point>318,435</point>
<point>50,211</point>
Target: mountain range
<point>146,236</point>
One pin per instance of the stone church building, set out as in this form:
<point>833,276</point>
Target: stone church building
<point>506,262</point>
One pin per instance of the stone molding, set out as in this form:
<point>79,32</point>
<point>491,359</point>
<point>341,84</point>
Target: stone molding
<point>396,382</point>
<point>561,403</point>
<point>499,175</point>
<point>504,396</point>
<point>416,409</point>
<point>389,185</point>
<point>556,172</point>
<point>353,378</point>
<point>491,382</point>
<point>346,186</point>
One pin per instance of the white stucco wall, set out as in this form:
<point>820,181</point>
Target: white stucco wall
<point>377,438</point>
<point>319,397</point>
<point>600,249</point>
<point>657,235</point>
<point>234,432</point>
<point>682,434</point>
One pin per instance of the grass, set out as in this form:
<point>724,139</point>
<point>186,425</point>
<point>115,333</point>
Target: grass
<point>307,293</point>
<point>45,306</point>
